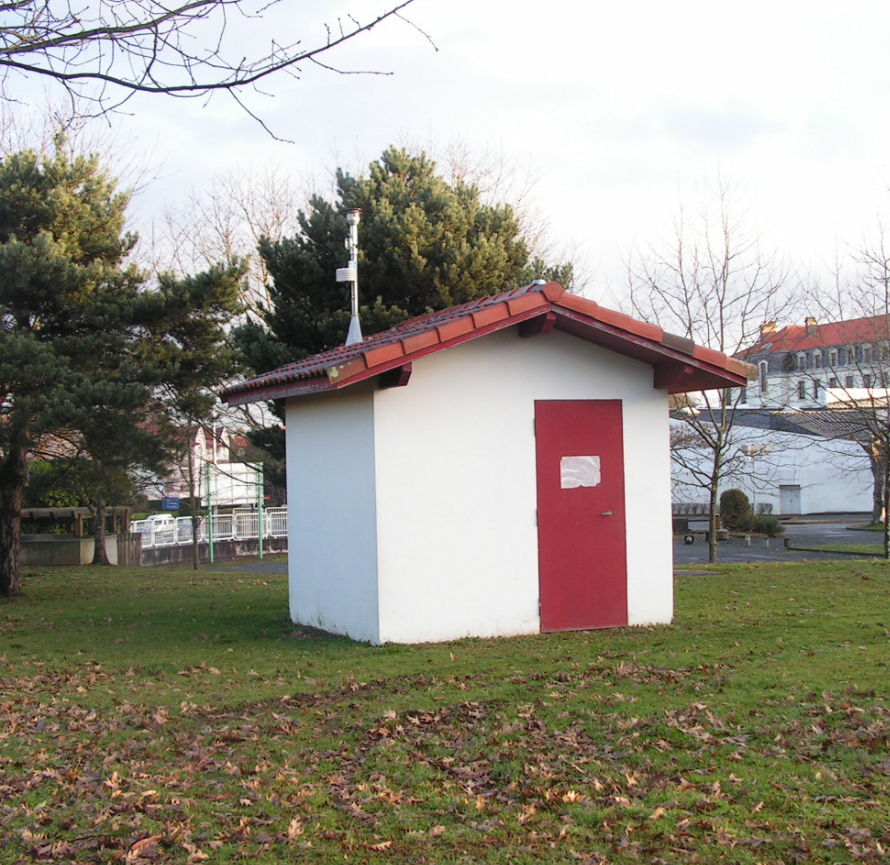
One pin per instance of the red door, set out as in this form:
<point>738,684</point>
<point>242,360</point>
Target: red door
<point>582,556</point>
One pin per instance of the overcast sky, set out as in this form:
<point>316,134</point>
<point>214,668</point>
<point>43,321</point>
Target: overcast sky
<point>619,109</point>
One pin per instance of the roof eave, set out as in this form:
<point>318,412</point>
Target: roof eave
<point>279,390</point>
<point>673,353</point>
<point>680,365</point>
<point>356,369</point>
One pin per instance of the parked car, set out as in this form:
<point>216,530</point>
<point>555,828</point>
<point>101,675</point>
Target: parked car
<point>153,524</point>
<point>161,520</point>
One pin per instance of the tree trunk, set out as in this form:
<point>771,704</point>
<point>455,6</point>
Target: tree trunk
<point>713,505</point>
<point>877,503</point>
<point>879,484</point>
<point>196,554</point>
<point>100,554</point>
<point>13,479</point>
<point>885,517</point>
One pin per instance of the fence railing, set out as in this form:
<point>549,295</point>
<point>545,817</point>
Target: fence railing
<point>241,524</point>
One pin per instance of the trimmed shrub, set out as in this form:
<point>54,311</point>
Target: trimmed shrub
<point>768,525</point>
<point>734,507</point>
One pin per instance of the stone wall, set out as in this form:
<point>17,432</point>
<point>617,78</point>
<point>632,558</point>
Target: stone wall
<point>224,551</point>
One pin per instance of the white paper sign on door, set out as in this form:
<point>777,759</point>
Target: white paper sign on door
<point>579,472</point>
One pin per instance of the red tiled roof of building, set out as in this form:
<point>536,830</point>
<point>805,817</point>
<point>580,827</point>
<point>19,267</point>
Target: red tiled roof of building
<point>802,337</point>
<point>680,364</point>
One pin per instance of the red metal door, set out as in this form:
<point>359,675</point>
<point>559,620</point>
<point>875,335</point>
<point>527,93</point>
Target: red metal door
<point>582,555</point>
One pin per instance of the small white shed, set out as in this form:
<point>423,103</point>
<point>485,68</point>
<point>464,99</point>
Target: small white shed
<point>497,468</point>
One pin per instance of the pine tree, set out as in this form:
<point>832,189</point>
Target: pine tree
<point>197,358</point>
<point>64,290</point>
<point>84,346</point>
<point>424,245</point>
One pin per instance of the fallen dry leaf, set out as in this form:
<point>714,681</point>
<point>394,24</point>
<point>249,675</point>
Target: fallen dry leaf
<point>146,848</point>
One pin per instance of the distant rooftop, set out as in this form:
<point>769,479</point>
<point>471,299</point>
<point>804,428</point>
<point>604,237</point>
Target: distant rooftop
<point>812,335</point>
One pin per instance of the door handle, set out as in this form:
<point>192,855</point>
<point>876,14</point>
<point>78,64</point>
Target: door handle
<point>606,514</point>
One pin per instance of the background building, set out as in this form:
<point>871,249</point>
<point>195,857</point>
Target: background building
<point>813,365</point>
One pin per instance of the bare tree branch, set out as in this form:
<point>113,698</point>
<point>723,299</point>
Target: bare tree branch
<point>105,51</point>
<point>710,283</point>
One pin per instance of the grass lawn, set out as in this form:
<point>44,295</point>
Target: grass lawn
<point>160,715</point>
<point>861,549</point>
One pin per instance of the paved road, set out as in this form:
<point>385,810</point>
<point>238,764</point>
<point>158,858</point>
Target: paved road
<point>803,532</point>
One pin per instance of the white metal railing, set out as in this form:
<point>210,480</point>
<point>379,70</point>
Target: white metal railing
<point>223,527</point>
<point>275,522</point>
<point>241,524</point>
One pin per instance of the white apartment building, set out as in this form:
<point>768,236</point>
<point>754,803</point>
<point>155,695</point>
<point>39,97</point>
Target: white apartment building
<point>814,365</point>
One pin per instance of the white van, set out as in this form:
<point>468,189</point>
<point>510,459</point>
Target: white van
<point>161,521</point>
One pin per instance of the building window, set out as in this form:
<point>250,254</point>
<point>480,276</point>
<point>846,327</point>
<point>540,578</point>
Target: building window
<point>801,390</point>
<point>848,382</point>
<point>764,367</point>
<point>832,357</point>
<point>817,359</point>
<point>801,360</point>
<point>832,382</point>
<point>743,397</point>
<point>815,388</point>
<point>867,380</point>
<point>866,354</point>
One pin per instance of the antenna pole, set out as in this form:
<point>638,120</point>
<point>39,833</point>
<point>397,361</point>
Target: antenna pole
<point>350,274</point>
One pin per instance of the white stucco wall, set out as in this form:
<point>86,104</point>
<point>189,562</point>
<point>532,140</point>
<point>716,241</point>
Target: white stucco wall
<point>332,515</point>
<point>833,476</point>
<point>413,510</point>
<point>456,484</point>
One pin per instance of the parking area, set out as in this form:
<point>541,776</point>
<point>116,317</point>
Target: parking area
<point>804,531</point>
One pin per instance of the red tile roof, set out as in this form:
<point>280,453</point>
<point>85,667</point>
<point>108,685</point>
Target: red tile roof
<point>680,365</point>
<point>829,335</point>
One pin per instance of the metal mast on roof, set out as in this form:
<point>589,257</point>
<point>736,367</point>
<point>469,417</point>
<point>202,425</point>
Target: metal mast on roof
<point>350,274</point>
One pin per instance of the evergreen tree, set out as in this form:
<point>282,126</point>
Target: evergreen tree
<point>196,357</point>
<point>84,347</point>
<point>63,293</point>
<point>424,245</point>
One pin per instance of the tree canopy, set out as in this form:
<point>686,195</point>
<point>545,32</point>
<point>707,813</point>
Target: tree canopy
<point>84,345</point>
<point>424,245</point>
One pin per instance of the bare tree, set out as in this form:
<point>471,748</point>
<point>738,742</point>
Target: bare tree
<point>226,220</point>
<point>845,366</point>
<point>710,283</point>
<point>105,51</point>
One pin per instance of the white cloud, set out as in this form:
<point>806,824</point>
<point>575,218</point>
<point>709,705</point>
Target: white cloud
<point>617,106</point>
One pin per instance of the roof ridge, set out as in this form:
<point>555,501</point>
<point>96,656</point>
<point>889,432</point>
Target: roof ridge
<point>432,331</point>
<point>343,353</point>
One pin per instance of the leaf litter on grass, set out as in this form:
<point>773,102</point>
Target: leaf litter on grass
<point>609,747</point>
